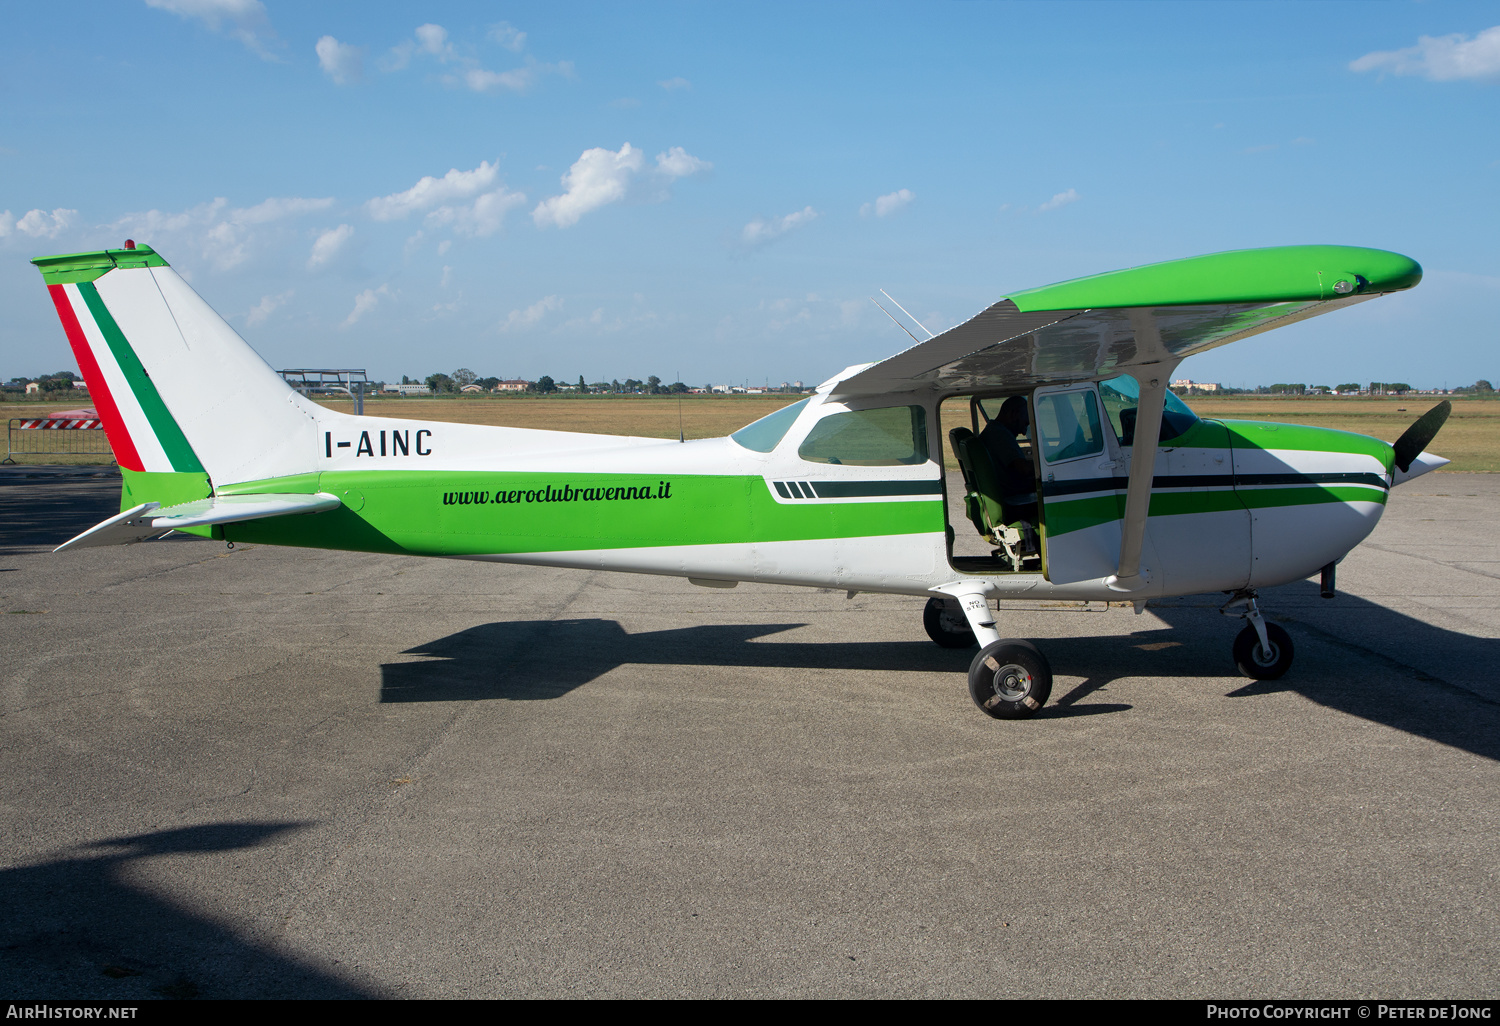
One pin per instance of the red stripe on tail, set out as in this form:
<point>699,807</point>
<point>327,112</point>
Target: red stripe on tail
<point>114,424</point>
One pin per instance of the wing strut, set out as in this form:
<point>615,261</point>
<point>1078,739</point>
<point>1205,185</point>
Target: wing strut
<point>1153,379</point>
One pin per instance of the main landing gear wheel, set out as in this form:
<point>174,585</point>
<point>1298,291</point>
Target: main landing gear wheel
<point>947,625</point>
<point>1261,665</point>
<point>1010,680</point>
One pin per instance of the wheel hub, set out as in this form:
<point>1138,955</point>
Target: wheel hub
<point>1012,682</point>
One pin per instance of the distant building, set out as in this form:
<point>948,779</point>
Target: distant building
<point>514,385</point>
<point>409,389</point>
<point>32,388</point>
<point>472,388</point>
<point>1196,386</point>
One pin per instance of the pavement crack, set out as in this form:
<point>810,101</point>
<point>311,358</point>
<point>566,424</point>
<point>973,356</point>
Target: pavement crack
<point>1429,559</point>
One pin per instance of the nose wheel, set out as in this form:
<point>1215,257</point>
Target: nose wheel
<point>1262,651</point>
<point>1263,662</point>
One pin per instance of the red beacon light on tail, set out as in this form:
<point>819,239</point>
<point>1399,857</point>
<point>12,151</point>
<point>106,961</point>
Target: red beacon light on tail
<point>130,244</point>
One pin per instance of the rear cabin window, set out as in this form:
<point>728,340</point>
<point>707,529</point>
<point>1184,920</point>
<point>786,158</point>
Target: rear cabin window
<point>1068,426</point>
<point>889,437</point>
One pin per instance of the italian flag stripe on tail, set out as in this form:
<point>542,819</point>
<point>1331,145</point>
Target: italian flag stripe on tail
<point>104,401</point>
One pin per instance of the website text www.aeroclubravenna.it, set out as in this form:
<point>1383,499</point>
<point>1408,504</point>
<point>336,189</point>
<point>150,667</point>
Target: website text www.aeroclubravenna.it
<point>567,493</point>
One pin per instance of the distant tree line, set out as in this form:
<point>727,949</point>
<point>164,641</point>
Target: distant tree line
<point>62,381</point>
<point>546,384</point>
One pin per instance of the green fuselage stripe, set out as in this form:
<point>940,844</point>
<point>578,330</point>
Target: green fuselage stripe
<point>477,513</point>
<point>1066,515</point>
<point>172,440</point>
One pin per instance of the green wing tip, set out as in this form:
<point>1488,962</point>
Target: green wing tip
<point>1276,274</point>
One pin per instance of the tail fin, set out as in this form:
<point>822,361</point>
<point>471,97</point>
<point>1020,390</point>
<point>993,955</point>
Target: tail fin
<point>179,391</point>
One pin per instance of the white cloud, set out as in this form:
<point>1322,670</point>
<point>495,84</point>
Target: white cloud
<point>675,83</point>
<point>1061,199</point>
<point>485,216</point>
<point>244,20</point>
<point>340,61</point>
<point>278,207</point>
<point>433,39</point>
<point>328,245</point>
<point>508,36</point>
<point>363,304</point>
<point>597,178</point>
<point>517,80</point>
<point>520,320</point>
<point>761,231</point>
<point>678,163</point>
<point>600,177</point>
<point>1440,58</point>
<point>399,57</point>
<point>220,233</point>
<point>887,204</point>
<point>430,192</point>
<point>38,223</point>
<point>266,307</point>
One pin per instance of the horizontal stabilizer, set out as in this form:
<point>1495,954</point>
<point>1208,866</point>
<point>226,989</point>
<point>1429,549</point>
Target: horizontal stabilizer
<point>151,519</point>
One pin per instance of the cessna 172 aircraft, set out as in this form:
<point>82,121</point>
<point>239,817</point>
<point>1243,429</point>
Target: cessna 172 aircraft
<point>1133,496</point>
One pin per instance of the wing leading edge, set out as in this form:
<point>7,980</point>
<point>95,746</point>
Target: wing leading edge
<point>1157,314</point>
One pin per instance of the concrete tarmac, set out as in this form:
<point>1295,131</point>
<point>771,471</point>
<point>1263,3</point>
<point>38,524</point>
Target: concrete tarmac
<point>275,773</point>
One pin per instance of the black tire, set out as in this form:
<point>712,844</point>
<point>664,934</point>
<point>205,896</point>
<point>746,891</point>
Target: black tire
<point>1010,680</point>
<point>948,627</point>
<point>1253,662</point>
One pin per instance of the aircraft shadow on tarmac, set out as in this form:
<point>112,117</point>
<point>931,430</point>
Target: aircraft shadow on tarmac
<point>532,660</point>
<point>37,516</point>
<point>74,929</point>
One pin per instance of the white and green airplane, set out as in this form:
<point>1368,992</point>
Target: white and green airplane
<point>1134,497</point>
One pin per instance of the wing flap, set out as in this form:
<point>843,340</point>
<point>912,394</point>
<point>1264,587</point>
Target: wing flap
<point>152,520</point>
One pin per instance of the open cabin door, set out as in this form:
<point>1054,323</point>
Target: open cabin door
<point>1081,483</point>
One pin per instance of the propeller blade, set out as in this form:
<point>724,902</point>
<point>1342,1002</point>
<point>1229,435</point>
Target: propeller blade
<point>1417,437</point>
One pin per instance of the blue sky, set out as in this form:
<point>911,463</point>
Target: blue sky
<point>415,188</point>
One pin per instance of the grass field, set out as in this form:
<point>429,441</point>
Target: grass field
<point>1471,438</point>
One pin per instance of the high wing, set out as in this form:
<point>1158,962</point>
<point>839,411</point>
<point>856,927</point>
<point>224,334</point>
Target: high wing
<point>151,519</point>
<point>1157,314</point>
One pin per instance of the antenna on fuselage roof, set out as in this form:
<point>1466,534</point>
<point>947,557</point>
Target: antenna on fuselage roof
<point>904,310</point>
<point>893,319</point>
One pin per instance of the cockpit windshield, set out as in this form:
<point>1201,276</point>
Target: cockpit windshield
<point>765,434</point>
<point>1122,395</point>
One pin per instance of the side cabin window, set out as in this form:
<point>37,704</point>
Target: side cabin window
<point>889,437</point>
<point>1122,396</point>
<point>1068,426</point>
